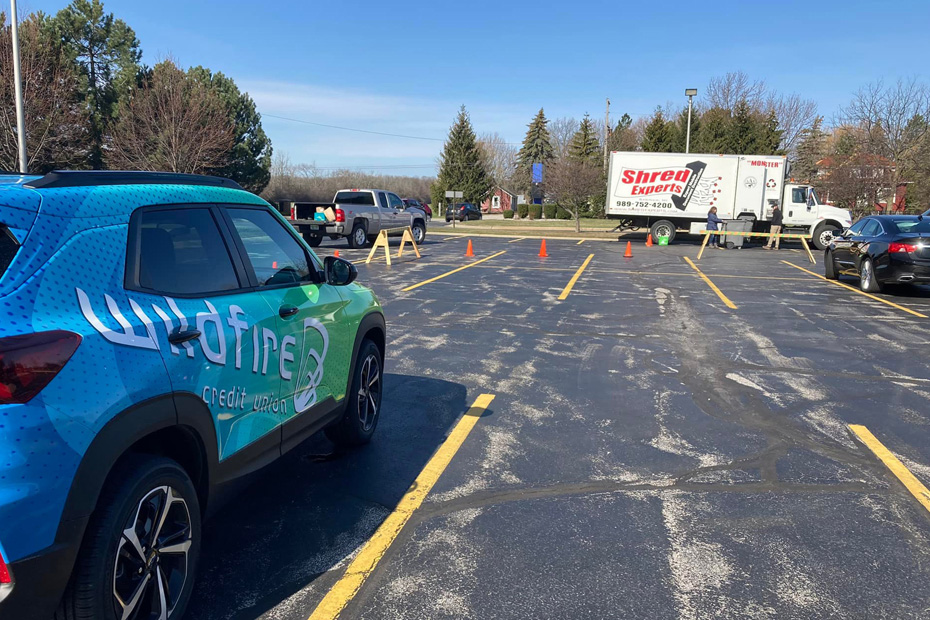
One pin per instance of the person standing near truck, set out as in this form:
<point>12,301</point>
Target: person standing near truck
<point>713,224</point>
<point>776,226</point>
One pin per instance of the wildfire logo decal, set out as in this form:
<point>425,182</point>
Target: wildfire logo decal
<point>677,181</point>
<point>311,367</point>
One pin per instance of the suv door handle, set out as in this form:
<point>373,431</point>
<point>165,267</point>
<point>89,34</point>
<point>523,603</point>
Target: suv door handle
<point>180,337</point>
<point>288,310</point>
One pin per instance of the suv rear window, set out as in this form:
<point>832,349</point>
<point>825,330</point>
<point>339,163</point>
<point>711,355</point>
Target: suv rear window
<point>355,198</point>
<point>9,246</point>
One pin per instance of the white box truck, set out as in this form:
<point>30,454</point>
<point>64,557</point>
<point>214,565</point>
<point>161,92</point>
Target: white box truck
<point>665,192</point>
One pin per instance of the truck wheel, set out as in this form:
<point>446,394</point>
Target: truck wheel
<point>419,232</point>
<point>663,228</point>
<point>829,266</point>
<point>313,240</point>
<point>139,554</point>
<point>363,409</point>
<point>823,236</point>
<point>868,281</point>
<point>359,236</point>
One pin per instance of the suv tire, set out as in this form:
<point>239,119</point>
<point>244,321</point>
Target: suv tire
<point>363,409</point>
<point>359,236</point>
<point>109,563</point>
<point>313,240</point>
<point>419,232</point>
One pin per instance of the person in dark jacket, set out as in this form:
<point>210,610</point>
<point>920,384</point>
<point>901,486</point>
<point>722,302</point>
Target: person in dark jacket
<point>776,226</point>
<point>713,224</point>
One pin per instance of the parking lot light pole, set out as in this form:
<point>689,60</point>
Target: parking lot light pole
<point>18,80</point>
<point>690,92</point>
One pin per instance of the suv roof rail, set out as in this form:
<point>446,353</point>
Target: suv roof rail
<point>83,178</point>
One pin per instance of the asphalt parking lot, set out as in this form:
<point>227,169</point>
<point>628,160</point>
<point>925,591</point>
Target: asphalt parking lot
<point>668,440</point>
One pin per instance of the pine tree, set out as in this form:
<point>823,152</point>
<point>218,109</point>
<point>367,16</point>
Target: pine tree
<point>107,54</point>
<point>537,145</point>
<point>623,138</point>
<point>461,166</point>
<point>585,146</point>
<point>742,131</point>
<point>659,135</point>
<point>714,134</point>
<point>811,149</point>
<point>681,130</point>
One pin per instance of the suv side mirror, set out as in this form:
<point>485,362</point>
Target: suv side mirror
<point>339,272</point>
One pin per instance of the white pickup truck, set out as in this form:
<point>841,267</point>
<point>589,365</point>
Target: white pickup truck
<point>358,215</point>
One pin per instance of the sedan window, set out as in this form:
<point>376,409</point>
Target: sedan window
<point>871,229</point>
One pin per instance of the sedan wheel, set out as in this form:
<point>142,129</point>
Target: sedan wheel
<point>867,279</point>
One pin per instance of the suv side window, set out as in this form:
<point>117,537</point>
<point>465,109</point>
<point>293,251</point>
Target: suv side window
<point>182,252</point>
<point>275,255</point>
<point>382,200</point>
<point>396,203</point>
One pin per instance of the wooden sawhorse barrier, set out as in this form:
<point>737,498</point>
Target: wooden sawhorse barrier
<point>723,233</point>
<point>382,242</point>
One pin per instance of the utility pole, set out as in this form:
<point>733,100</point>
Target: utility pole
<point>18,79</point>
<point>691,92</point>
<point>606,131</point>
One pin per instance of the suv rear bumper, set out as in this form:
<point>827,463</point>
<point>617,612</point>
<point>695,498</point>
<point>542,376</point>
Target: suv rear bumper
<point>38,583</point>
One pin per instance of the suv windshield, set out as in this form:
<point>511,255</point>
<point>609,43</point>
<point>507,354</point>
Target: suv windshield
<point>355,198</point>
<point>8,248</point>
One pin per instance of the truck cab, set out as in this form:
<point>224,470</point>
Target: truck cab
<point>801,208</point>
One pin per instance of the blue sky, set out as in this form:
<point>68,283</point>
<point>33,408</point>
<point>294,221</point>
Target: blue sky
<point>405,67</point>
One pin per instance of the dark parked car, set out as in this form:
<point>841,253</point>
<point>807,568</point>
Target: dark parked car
<point>422,206</point>
<point>463,212</point>
<point>881,249</point>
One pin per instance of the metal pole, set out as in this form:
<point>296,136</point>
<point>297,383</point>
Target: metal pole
<point>18,79</point>
<point>688,137</point>
<point>606,131</point>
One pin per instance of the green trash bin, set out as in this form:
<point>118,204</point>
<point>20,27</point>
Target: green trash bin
<point>663,240</point>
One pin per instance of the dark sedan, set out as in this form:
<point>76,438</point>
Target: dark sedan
<point>881,249</point>
<point>417,204</point>
<point>463,212</point>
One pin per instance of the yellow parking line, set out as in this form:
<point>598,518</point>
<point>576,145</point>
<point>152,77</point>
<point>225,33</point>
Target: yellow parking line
<point>371,553</point>
<point>571,283</point>
<point>855,290</point>
<point>580,242</point>
<point>902,473</point>
<point>449,273</point>
<point>713,287</point>
<point>515,240</point>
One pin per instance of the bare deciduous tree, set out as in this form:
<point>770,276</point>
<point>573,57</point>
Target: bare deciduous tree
<point>56,120</point>
<point>726,91</point>
<point>499,157</point>
<point>571,183</point>
<point>171,123</point>
<point>794,114</point>
<point>561,132</point>
<point>892,120</point>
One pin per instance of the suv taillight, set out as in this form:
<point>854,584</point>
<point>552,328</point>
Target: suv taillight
<point>340,215</point>
<point>5,578</point>
<point>896,246</point>
<point>28,363</point>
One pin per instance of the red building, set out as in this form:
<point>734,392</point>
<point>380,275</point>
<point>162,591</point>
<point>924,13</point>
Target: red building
<point>499,201</point>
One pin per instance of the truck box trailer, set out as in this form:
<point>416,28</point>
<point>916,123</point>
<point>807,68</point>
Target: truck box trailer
<point>665,192</point>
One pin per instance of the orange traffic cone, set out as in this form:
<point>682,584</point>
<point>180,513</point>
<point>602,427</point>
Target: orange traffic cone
<point>469,251</point>
<point>649,240</point>
<point>542,250</point>
<point>629,250</point>
<point>336,254</point>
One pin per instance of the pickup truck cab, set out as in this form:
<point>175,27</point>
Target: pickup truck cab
<point>360,214</point>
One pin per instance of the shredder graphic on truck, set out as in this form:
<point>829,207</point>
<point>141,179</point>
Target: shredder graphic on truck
<point>669,191</point>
